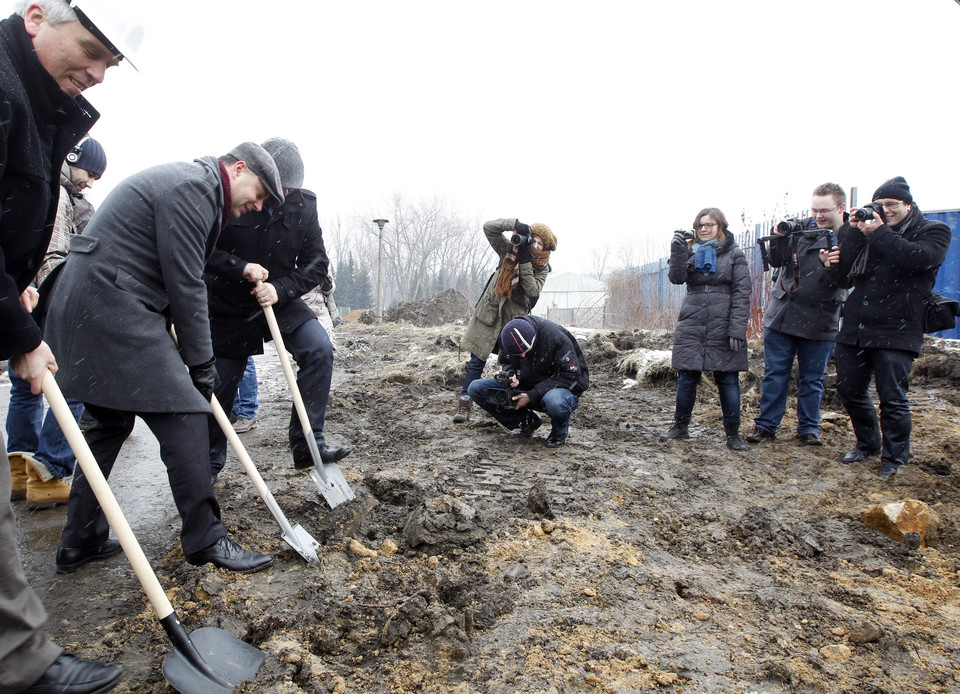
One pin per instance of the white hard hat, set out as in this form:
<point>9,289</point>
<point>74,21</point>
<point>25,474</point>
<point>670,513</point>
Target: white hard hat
<point>111,21</point>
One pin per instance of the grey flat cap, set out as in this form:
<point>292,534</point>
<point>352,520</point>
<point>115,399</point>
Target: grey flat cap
<point>289,162</point>
<point>261,163</point>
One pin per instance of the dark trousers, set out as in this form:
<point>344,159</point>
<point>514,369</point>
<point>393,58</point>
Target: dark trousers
<point>473,371</point>
<point>25,651</point>
<point>311,349</point>
<point>183,446</point>
<point>890,369</point>
<point>728,388</point>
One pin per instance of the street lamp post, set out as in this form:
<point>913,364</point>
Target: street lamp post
<point>380,223</point>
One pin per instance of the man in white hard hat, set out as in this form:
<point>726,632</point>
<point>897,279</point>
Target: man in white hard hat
<point>48,56</point>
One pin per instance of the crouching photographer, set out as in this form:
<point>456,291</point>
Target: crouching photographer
<point>544,370</point>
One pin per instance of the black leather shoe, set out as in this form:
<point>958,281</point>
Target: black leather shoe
<point>303,460</point>
<point>859,454</point>
<point>70,559</point>
<point>69,675</point>
<point>811,439</point>
<point>556,441</point>
<point>889,469</point>
<point>529,425</point>
<point>759,435</point>
<point>227,554</point>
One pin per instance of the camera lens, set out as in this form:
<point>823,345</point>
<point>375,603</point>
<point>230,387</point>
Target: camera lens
<point>863,214</point>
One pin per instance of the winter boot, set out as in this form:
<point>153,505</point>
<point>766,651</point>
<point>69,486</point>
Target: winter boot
<point>43,489</point>
<point>464,405</point>
<point>734,442</point>
<point>679,430</point>
<point>18,474</point>
<point>530,424</point>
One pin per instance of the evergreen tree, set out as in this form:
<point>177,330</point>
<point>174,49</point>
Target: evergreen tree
<point>363,290</point>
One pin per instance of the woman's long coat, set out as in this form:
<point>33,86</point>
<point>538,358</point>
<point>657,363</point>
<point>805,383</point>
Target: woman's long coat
<point>715,308</point>
<point>492,312</point>
<point>138,267</point>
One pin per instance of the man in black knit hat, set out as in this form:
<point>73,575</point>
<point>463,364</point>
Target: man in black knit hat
<point>892,258</point>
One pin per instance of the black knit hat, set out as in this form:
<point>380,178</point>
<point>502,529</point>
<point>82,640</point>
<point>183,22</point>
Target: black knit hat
<point>894,189</point>
<point>89,156</point>
<point>517,337</point>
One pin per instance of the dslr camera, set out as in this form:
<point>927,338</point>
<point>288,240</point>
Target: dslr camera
<point>869,211</point>
<point>502,395</point>
<point>789,226</point>
<point>521,239</point>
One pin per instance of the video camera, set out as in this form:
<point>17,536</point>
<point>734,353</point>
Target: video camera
<point>869,211</point>
<point>502,396</point>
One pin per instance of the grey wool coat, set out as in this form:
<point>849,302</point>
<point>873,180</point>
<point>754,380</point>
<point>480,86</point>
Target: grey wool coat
<point>137,268</point>
<point>492,312</point>
<point>715,308</point>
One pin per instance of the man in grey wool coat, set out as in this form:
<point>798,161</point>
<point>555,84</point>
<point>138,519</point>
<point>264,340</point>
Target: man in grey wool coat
<point>137,270</point>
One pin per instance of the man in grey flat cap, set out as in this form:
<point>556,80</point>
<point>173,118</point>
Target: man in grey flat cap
<point>283,247</point>
<point>136,270</point>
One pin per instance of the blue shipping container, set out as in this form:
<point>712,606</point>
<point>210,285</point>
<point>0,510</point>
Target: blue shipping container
<point>948,278</point>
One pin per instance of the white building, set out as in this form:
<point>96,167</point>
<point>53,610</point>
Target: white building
<point>572,300</point>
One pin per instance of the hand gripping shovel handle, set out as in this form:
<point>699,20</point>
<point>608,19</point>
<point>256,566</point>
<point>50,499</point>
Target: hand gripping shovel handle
<point>295,537</point>
<point>138,560</point>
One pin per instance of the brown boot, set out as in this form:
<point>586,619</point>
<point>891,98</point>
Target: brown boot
<point>43,489</point>
<point>18,474</point>
<point>464,406</point>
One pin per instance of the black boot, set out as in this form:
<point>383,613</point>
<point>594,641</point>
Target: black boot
<point>679,430</point>
<point>734,442</point>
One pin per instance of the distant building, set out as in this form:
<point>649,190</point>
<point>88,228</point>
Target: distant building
<point>572,300</point>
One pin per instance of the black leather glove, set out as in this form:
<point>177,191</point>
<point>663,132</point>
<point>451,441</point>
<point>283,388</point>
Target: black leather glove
<point>736,344</point>
<point>521,228</point>
<point>205,378</point>
<point>680,237</point>
<point>523,254</point>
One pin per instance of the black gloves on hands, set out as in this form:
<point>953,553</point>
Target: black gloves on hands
<point>523,254</point>
<point>680,237</point>
<point>205,378</point>
<point>521,228</point>
<point>736,344</point>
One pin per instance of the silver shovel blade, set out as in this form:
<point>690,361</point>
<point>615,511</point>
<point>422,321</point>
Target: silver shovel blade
<point>304,544</point>
<point>224,660</point>
<point>332,484</point>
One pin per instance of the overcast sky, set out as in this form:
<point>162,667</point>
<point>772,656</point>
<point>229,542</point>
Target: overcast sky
<point>608,121</point>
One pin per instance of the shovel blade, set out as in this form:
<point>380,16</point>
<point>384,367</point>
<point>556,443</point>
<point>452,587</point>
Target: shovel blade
<point>332,484</point>
<point>230,662</point>
<point>303,542</point>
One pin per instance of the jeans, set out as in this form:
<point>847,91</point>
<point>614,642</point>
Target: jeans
<point>890,368</point>
<point>559,403</point>
<point>473,372</point>
<point>728,388</point>
<point>28,430</point>
<point>779,351</point>
<point>313,352</point>
<point>245,405</point>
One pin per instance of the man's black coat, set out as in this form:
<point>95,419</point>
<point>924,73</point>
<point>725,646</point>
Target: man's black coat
<point>554,361</point>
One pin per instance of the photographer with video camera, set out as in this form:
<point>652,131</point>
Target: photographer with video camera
<point>511,291</point>
<point>802,317</point>
<point>891,253</point>
<point>711,332</point>
<point>544,370</point>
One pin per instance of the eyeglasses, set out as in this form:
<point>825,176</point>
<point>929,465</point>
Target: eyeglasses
<point>708,225</point>
<point>889,204</point>
<point>818,213</point>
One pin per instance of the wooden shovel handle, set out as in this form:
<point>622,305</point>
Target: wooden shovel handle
<point>108,501</point>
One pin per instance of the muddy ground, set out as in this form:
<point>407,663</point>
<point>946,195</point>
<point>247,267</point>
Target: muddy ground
<point>614,564</point>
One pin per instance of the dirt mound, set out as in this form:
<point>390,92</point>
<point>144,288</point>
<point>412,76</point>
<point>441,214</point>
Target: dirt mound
<point>448,306</point>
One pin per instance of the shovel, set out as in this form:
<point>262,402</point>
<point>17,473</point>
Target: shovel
<point>326,476</point>
<point>298,538</point>
<point>213,661</point>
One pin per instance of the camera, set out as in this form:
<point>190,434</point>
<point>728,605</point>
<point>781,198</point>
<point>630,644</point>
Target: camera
<point>687,234</point>
<point>520,239</point>
<point>869,211</point>
<point>502,396</point>
<point>788,226</point>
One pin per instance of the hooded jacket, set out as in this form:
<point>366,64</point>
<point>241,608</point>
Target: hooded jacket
<point>886,306</point>
<point>554,361</point>
<point>715,308</point>
<point>137,268</point>
<point>39,124</point>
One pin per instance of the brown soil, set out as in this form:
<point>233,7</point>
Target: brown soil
<point>613,564</point>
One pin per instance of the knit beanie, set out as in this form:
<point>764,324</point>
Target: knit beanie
<point>894,189</point>
<point>89,156</point>
<point>518,336</point>
<point>543,231</point>
<point>288,160</point>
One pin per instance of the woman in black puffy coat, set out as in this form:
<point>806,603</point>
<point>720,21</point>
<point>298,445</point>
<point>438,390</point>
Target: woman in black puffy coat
<point>711,333</point>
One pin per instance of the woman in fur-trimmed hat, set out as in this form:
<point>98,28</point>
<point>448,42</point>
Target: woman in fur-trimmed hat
<point>511,291</point>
